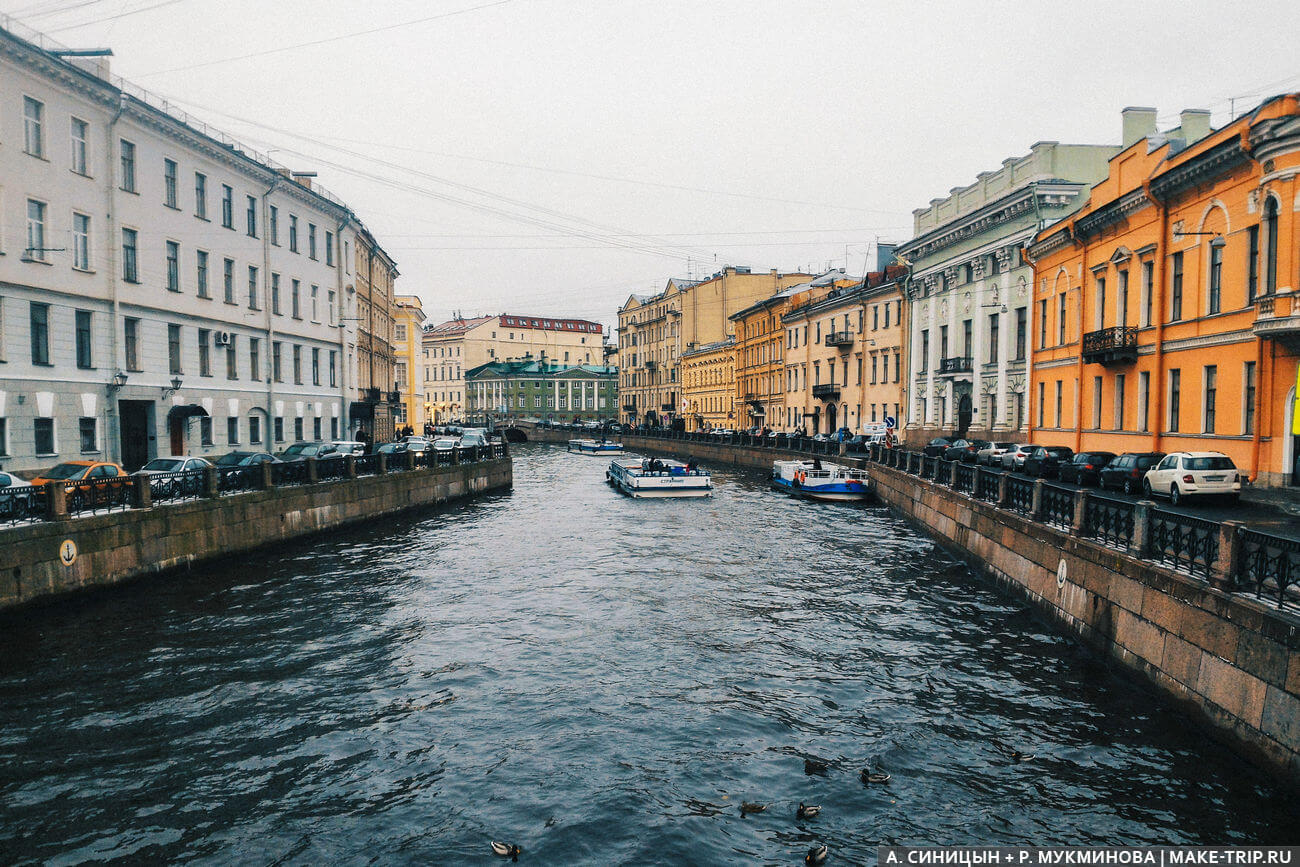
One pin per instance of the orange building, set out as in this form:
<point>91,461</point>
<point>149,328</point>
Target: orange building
<point>1162,315</point>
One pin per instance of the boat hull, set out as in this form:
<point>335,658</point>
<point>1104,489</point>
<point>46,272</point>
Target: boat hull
<point>830,483</point>
<point>672,481</point>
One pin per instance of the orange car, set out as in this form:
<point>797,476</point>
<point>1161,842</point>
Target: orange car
<point>85,487</point>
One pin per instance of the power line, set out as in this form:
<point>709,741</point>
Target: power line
<point>114,17</point>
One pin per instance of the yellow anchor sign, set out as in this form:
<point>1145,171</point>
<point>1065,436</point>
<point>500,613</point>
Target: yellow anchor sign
<point>68,552</point>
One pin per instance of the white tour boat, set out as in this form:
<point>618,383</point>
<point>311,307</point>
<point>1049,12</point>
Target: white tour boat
<point>594,447</point>
<point>656,477</point>
<point>819,480</point>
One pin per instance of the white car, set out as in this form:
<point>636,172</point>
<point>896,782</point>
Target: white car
<point>445,444</point>
<point>1193,474</point>
<point>17,498</point>
<point>167,484</point>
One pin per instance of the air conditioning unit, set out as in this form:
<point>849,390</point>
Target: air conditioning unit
<point>223,338</point>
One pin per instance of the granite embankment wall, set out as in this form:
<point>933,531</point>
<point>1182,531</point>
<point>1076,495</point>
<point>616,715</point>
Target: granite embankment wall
<point>1229,661</point>
<point>719,453</point>
<point>118,546</point>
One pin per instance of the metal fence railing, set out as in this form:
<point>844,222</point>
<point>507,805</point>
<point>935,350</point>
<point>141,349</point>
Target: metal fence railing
<point>1109,521</point>
<point>289,473</point>
<point>99,495</point>
<point>1057,506</point>
<point>1187,544</point>
<point>174,487</point>
<point>1269,566</point>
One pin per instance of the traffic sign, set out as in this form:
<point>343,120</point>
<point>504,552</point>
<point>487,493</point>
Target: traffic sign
<point>890,422</point>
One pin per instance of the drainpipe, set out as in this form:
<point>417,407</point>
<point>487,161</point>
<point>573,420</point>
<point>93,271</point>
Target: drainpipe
<point>370,327</point>
<point>112,421</point>
<point>1078,386</point>
<point>345,426</point>
<point>266,305</point>
<point>1255,436</point>
<point>1158,290</point>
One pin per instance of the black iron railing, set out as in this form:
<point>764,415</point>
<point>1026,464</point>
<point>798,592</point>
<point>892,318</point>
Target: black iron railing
<point>1110,344</point>
<point>964,481</point>
<point>958,364</point>
<point>238,479</point>
<point>173,487</point>
<point>839,338</point>
<point>1020,495</point>
<point>1188,544</point>
<point>20,503</point>
<point>289,473</point>
<point>1108,521</point>
<point>987,485</point>
<point>1057,506</point>
<point>825,390</point>
<point>1269,566</point>
<point>366,465</point>
<point>329,469</point>
<point>99,495</point>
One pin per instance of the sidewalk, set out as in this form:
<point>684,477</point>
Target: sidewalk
<point>1283,500</point>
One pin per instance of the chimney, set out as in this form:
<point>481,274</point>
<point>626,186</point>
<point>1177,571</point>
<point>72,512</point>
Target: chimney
<point>303,178</point>
<point>885,256</point>
<point>1195,124</point>
<point>1138,124</point>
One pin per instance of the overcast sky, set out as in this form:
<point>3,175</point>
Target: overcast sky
<point>552,156</point>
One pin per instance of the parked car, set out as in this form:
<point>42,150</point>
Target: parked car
<point>1085,467</point>
<point>445,444</point>
<point>1193,474</point>
<point>393,449</point>
<point>18,499</point>
<point>1014,457</point>
<point>936,447</point>
<point>991,454</point>
<point>83,478</point>
<point>1045,461</point>
<point>347,447</point>
<point>159,468</point>
<point>245,459</point>
<point>1127,471</point>
<point>302,451</point>
<point>857,443</point>
<point>472,438</point>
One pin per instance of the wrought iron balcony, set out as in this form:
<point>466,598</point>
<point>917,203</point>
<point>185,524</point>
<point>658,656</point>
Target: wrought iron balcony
<point>958,364</point>
<point>1116,345</point>
<point>394,397</point>
<point>842,339</point>
<point>829,391</point>
<point>371,395</point>
<point>668,407</point>
<point>629,407</point>
<point>650,364</point>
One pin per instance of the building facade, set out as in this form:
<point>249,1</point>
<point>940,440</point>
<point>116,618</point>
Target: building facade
<point>709,387</point>
<point>408,358</point>
<point>1163,314</point>
<point>504,391</point>
<point>969,292</point>
<point>460,344</point>
<point>157,295</point>
<point>377,401</point>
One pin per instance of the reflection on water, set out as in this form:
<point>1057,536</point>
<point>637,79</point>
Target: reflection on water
<point>596,678</point>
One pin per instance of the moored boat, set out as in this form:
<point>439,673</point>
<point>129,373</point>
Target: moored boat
<point>595,447</point>
<point>656,477</point>
<point>819,480</point>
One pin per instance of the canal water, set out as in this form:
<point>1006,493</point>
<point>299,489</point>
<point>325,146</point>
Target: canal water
<point>597,679</point>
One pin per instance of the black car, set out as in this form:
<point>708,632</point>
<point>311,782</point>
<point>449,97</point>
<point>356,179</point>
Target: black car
<point>973,450</point>
<point>1045,461</point>
<point>1127,471</point>
<point>936,447</point>
<point>857,443</point>
<point>245,459</point>
<point>957,450</point>
<point>1085,468</point>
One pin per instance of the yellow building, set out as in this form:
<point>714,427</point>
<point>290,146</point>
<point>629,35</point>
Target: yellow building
<point>824,350</point>
<point>408,328</point>
<point>373,305</point>
<point>709,386</point>
<point>654,332</point>
<point>457,345</point>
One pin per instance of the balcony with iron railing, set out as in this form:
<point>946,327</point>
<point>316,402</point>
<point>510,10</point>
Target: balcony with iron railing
<point>1116,345</point>
<point>651,364</point>
<point>842,339</point>
<point>827,391</point>
<point>957,364</point>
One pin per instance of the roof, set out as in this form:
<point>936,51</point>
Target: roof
<point>537,368</point>
<point>453,327</point>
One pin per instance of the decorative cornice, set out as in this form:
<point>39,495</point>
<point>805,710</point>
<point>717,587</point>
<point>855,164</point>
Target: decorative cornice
<point>1199,169</point>
<point>1015,204</point>
<point>1111,213</point>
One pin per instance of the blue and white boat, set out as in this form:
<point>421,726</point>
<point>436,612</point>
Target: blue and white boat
<point>594,447</point>
<point>656,477</point>
<point>821,480</point>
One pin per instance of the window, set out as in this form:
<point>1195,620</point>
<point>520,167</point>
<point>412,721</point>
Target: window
<point>35,231</point>
<point>128,165</point>
<point>251,217</point>
<point>297,428</point>
<point>254,428</point>
<point>255,359</point>
<point>174,348</point>
<point>252,287</point>
<point>1119,401</point>
<point>1148,280</point>
<point>399,331</point>
<point>1042,324</point>
<point>1176,289</point>
<point>925,350</point>
<point>333,362</point>
<point>1216,275</point>
<point>131,335</point>
<point>88,428</point>
<point>329,248</point>
<point>1022,325</point>
<point>275,293</point>
<point>1121,299</point>
<point>1096,402</point>
<point>1144,400</point>
<point>80,242</point>
<point>1248,401</point>
<point>173,266</point>
<point>34,127</point>
<point>232,430</point>
<point>315,306</point>
<point>1175,383</point>
<point>84,358</point>
<point>227,206</point>
<point>273,225</point>
<point>275,361</point>
<point>40,318</point>
<point>1211,385</point>
<point>201,272</point>
<point>295,299</point>
<point>943,341</point>
<point>1099,315</point>
<point>232,358</point>
<point>315,428</point>
<point>994,320</point>
<point>43,431</point>
<point>279,428</point>
<point>80,138</point>
<point>130,269</point>
<point>311,241</point>
<point>205,352</point>
<point>1252,264</point>
<point>200,196</point>
<point>4,436</point>
<point>315,366</point>
<point>1060,319</point>
<point>1042,400</point>
<point>1270,246</point>
<point>329,303</point>
<point>293,233</point>
<point>169,183</point>
<point>228,279</point>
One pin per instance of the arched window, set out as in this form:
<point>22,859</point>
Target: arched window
<point>1270,246</point>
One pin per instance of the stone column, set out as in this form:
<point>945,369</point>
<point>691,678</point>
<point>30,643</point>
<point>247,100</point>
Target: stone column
<point>1223,571</point>
<point>1036,509</point>
<point>408,460</point>
<point>56,501</point>
<point>1141,545</point>
<point>313,474</point>
<point>350,466</point>
<point>264,480</point>
<point>211,482</point>
<point>1080,512</point>
<point>1004,490</point>
<point>952,474</point>
<point>383,464</point>
<point>141,493</point>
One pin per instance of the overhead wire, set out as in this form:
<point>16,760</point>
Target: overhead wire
<point>106,19</point>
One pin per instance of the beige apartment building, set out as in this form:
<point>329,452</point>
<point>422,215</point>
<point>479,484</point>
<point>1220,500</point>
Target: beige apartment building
<point>709,386</point>
<point>408,326</point>
<point>376,403</point>
<point>655,331</point>
<point>450,348</point>
<point>843,354</point>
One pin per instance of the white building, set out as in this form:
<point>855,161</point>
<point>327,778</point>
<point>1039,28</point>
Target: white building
<point>162,289</point>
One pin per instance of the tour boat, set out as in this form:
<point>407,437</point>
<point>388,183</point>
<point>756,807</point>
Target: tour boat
<point>656,477</point>
<point>593,447</point>
<point>821,480</point>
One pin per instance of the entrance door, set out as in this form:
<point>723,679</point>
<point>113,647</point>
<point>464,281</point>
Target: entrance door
<point>135,428</point>
<point>963,415</point>
<point>830,419</point>
<point>177,430</point>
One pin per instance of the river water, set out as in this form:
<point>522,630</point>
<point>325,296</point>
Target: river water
<point>598,679</point>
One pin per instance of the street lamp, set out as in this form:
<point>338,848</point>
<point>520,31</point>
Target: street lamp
<point>119,380</point>
<point>175,387</point>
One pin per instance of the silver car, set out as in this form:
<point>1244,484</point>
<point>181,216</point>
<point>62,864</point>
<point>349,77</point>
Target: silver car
<point>1014,457</point>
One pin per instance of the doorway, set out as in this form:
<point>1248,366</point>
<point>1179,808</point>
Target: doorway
<point>136,427</point>
<point>963,414</point>
<point>830,418</point>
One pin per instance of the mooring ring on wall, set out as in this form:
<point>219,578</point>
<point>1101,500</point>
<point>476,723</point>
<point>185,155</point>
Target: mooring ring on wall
<point>1060,575</point>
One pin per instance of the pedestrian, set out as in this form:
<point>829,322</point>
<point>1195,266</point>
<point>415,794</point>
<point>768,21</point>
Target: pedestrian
<point>364,439</point>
